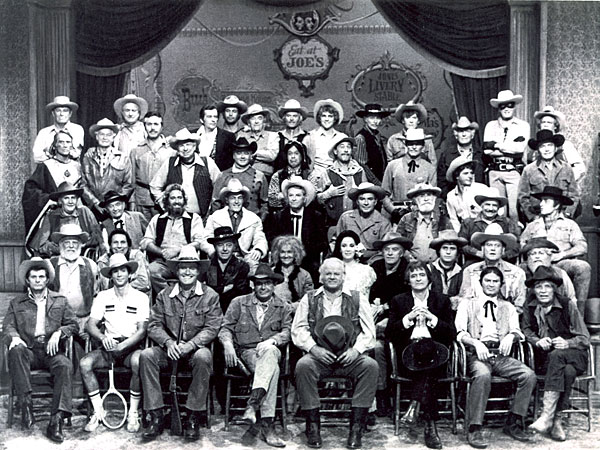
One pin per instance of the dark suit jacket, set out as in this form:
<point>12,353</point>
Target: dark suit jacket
<point>223,153</point>
<point>135,224</point>
<point>236,273</point>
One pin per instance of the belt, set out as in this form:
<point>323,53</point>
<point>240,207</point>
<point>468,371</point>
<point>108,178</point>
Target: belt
<point>144,185</point>
<point>491,344</point>
<point>506,167</point>
<point>39,339</point>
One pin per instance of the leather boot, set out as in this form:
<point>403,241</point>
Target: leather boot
<point>383,403</point>
<point>192,427</point>
<point>513,428</point>
<point>54,432</point>
<point>156,426</point>
<point>358,420</point>
<point>432,439</point>
<point>313,428</point>
<point>27,419</point>
<point>412,414</point>
<point>256,396</point>
<point>558,433</point>
<point>549,403</point>
<point>267,433</point>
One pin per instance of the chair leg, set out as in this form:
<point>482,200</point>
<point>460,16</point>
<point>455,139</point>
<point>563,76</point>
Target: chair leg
<point>283,390</point>
<point>453,406</point>
<point>227,404</point>
<point>397,411</point>
<point>589,404</point>
<point>11,400</point>
<point>209,404</point>
<point>467,395</point>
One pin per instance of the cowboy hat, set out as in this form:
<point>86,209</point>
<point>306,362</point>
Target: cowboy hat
<point>264,272</point>
<point>491,193</point>
<point>223,234</point>
<point>372,109</point>
<point>253,110</point>
<point>296,181</point>
<point>112,196</point>
<point>130,98</point>
<point>423,187</point>
<point>364,188</point>
<point>116,261</point>
<point>506,97</point>
<point>411,106</point>
<point>62,100</point>
<point>329,102</point>
<point>464,123</point>
<point>415,135</point>
<point>343,139</point>
<point>450,236</point>
<point>550,111</point>
<point>543,273</point>
<point>187,254</point>
<point>234,186</point>
<point>65,188</point>
<point>546,136</point>
<point>335,333</point>
<point>69,230</point>
<point>104,123</point>
<point>539,242</point>
<point>292,105</point>
<point>458,163</point>
<point>183,135</point>
<point>391,237</point>
<point>493,232</point>
<point>231,101</point>
<point>242,144</point>
<point>35,263</point>
<point>424,354</point>
<point>555,193</point>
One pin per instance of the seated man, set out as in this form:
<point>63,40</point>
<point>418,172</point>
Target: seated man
<point>568,237</point>
<point>350,322</point>
<point>488,325</point>
<point>183,322</point>
<point>133,222</point>
<point>124,311</point>
<point>553,325</point>
<point>258,347</point>
<point>446,273</point>
<point>34,326</point>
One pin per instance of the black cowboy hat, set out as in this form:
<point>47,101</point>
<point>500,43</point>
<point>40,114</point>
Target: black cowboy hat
<point>264,272</point>
<point>424,354</point>
<point>546,136</point>
<point>335,333</point>
<point>372,109</point>
<point>65,188</point>
<point>111,196</point>
<point>553,192</point>
<point>543,273</point>
<point>223,234</point>
<point>242,144</point>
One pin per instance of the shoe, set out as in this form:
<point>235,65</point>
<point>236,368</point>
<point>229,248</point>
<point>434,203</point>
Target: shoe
<point>134,422</point>
<point>156,426</point>
<point>93,422</point>
<point>313,428</point>
<point>27,419</point>
<point>54,431</point>
<point>476,439</point>
<point>267,433</point>
<point>192,427</point>
<point>549,403</point>
<point>411,415</point>
<point>358,420</point>
<point>249,416</point>
<point>516,432</point>
<point>371,422</point>
<point>558,433</point>
<point>383,404</point>
<point>249,437</point>
<point>432,438</point>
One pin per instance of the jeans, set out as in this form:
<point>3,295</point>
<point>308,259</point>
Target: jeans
<point>266,376</point>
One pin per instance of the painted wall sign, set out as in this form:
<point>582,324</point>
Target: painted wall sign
<point>435,126</point>
<point>189,94</point>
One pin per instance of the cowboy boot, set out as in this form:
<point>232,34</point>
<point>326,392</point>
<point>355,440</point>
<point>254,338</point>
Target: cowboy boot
<point>27,419</point>
<point>256,396</point>
<point>558,432</point>
<point>313,428</point>
<point>358,420</point>
<point>549,403</point>
<point>54,431</point>
<point>267,433</point>
<point>192,428</point>
<point>432,439</point>
<point>156,426</point>
<point>412,413</point>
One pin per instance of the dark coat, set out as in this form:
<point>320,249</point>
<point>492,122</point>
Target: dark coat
<point>448,154</point>
<point>388,286</point>
<point>223,153</point>
<point>135,224</point>
<point>236,273</point>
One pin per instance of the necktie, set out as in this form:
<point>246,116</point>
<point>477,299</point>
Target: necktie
<point>489,306</point>
<point>235,221</point>
<point>296,218</point>
<point>412,165</point>
<point>119,224</point>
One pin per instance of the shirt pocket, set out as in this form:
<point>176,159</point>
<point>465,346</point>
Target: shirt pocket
<point>537,182</point>
<point>242,327</point>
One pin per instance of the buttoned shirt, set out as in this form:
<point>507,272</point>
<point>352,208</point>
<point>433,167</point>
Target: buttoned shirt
<point>565,233</point>
<point>130,136</point>
<point>121,314</point>
<point>369,229</point>
<point>462,205</point>
<point>321,180</point>
<point>515,129</point>
<point>40,317</point>
<point>70,283</point>
<point>174,234</point>
<point>422,239</point>
<point>396,148</point>
<point>261,310</point>
<point>397,180</point>
<point>318,143</point>
<point>146,162</point>
<point>45,138</point>
<point>267,143</point>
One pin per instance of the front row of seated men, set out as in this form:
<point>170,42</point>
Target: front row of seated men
<point>333,327</point>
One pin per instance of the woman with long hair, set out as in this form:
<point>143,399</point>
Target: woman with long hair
<point>287,253</point>
<point>359,277</point>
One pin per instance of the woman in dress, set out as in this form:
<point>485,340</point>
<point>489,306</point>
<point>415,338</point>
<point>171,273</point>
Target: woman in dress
<point>359,277</point>
<point>295,162</point>
<point>287,253</point>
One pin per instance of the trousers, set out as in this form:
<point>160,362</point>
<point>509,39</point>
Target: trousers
<point>265,368</point>
<point>561,367</point>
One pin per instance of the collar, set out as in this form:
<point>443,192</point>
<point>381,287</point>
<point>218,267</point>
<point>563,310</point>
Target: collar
<point>43,299</point>
<point>95,152</point>
<point>256,301</point>
<point>65,127</point>
<point>372,132</point>
<point>453,271</point>
<point>512,121</point>
<point>73,214</point>
<point>421,218</point>
<point>185,214</point>
<point>236,170</point>
<point>555,305</point>
<point>231,213</point>
<point>328,133</point>
<point>421,296</point>
<point>62,261</point>
<point>202,131</point>
<point>300,213</point>
<point>197,290</point>
<point>161,138</point>
<point>197,160</point>
<point>484,299</point>
<point>295,132</point>
<point>353,166</point>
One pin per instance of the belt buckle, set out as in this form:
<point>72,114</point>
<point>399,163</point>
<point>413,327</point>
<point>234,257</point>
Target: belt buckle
<point>40,339</point>
<point>502,166</point>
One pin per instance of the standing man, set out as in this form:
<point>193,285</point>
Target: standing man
<point>410,115</point>
<point>34,326</point>
<point>133,222</point>
<point>231,108</point>
<point>62,109</point>
<point>214,141</point>
<point>267,142</point>
<point>131,109</point>
<point>292,114</point>
<point>183,322</point>
<point>370,144</point>
<point>319,142</point>
<point>460,202</point>
<point>259,347</point>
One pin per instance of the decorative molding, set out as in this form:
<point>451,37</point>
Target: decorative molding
<point>192,32</point>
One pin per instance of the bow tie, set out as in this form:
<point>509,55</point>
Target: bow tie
<point>412,166</point>
<point>296,216</point>
<point>489,306</point>
<point>119,224</point>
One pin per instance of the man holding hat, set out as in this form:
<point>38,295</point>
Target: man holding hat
<point>267,142</point>
<point>446,273</point>
<point>123,312</point>
<point>555,328</point>
<point>335,329</point>
<point>292,114</point>
<point>131,110</point>
<point>184,320</point>
<point>327,113</point>
<point>214,141</point>
<point>197,174</point>
<point>460,202</point>
<point>505,140</point>
<point>252,178</point>
<point>231,108</point>
<point>409,115</point>
<point>133,222</point>
<point>370,144</point>
<point>463,144</point>
<point>568,237</point>
<point>259,347</point>
<point>366,221</point>
<point>548,170</point>
<point>62,109</point>
<point>33,328</point>
<point>105,167</point>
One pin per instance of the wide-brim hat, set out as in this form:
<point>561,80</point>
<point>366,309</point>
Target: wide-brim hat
<point>223,234</point>
<point>506,96</point>
<point>550,111</point>
<point>335,333</point>
<point>414,135</point>
<point>300,182</point>
<point>421,188</point>
<point>104,123</point>
<point>242,144</point>
<point>367,188</point>
<point>343,139</point>
<point>543,273</point>
<point>232,101</point>
<point>130,98</point>
<point>116,261</point>
<point>391,237</point>
<point>463,123</point>
<point>253,110</point>
<point>491,193</point>
<point>553,192</point>
<point>538,242</point>
<point>447,236</point>
<point>494,232</point>
<point>411,106</point>
<point>457,163</point>
<point>372,109</point>
<point>424,354</point>
<point>264,272</point>
<point>546,136</point>
<point>329,102</point>
<point>70,230</point>
<point>183,135</point>
<point>62,100</point>
<point>112,196</point>
<point>292,105</point>
<point>65,188</point>
<point>35,263</point>
<point>187,254</point>
<point>234,186</point>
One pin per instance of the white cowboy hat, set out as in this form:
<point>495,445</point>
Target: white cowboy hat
<point>421,188</point>
<point>464,122</point>
<point>116,261</point>
<point>343,139</point>
<point>411,106</point>
<point>456,164</point>
<point>364,188</point>
<point>35,263</point>
<point>234,186</point>
<point>493,232</point>
<point>296,181</point>
<point>550,111</point>
<point>183,135</point>
<point>70,230</point>
<point>231,101</point>
<point>104,123</point>
<point>491,193</point>
<point>253,110</point>
<point>292,105</point>
<point>506,97</point>
<point>329,102</point>
<point>187,254</point>
<point>130,98</point>
<point>62,100</point>
<point>415,134</point>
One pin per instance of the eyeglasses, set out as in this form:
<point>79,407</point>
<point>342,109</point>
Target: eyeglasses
<point>506,105</point>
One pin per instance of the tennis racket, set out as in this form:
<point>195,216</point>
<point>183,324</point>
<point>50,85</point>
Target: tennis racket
<point>113,403</point>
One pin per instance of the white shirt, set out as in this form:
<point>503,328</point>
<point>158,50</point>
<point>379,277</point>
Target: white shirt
<point>207,142</point>
<point>121,314</point>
